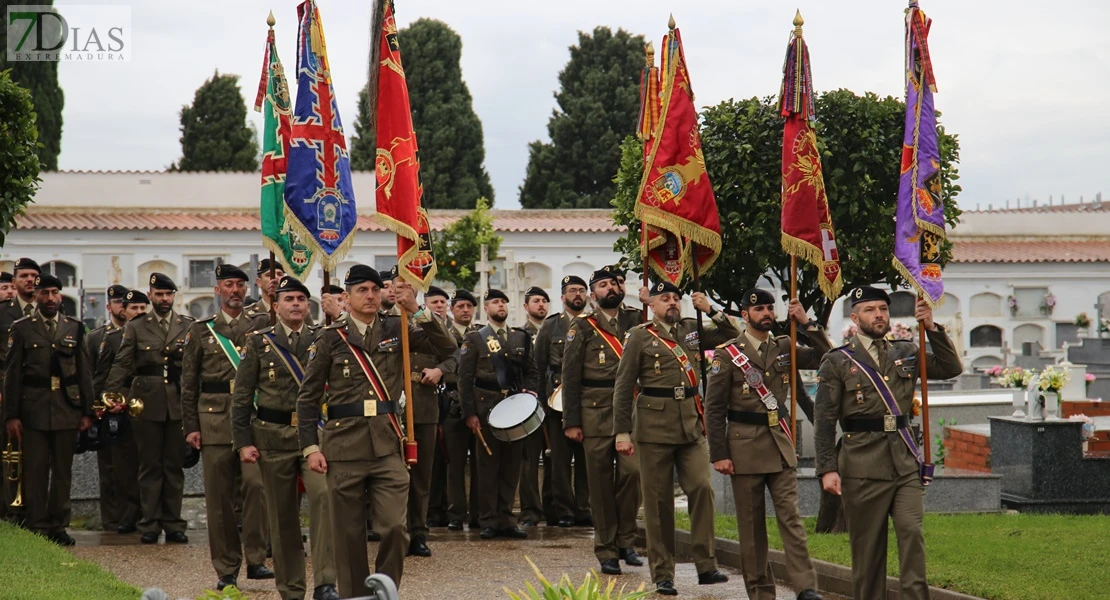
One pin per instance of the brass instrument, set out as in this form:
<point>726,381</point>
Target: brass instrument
<point>13,470</point>
<point>110,400</point>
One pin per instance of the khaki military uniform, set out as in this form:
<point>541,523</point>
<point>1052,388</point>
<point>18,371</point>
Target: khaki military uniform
<point>48,387</point>
<point>109,500</point>
<point>462,446</point>
<point>740,429</point>
<point>121,482</point>
<point>589,374</point>
<point>534,494</point>
<point>667,431</point>
<point>879,476</point>
<point>10,311</point>
<point>263,380</point>
<point>148,367</point>
<point>425,413</point>
<point>363,450</point>
<point>259,314</point>
<point>207,377</point>
<point>479,392</point>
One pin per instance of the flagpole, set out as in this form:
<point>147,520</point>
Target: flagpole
<point>924,376</point>
<point>793,352</point>
<point>410,432</point>
<point>327,286</point>
<point>273,272</point>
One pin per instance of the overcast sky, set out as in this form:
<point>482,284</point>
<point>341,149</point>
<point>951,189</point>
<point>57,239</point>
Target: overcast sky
<point>1023,83</point>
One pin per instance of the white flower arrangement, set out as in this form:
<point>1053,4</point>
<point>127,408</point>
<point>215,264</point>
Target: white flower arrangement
<point>1015,377</point>
<point>1053,379</point>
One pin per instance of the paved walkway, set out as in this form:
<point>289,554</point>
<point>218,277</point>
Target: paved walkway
<point>463,566</point>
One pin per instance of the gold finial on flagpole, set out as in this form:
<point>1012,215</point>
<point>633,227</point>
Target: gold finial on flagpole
<point>270,20</point>
<point>670,23</point>
<point>798,22</point>
<point>649,54</point>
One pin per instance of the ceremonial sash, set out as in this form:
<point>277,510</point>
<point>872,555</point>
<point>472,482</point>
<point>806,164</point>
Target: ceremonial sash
<point>611,340</point>
<point>287,358</point>
<point>373,377</point>
<point>754,378</point>
<point>924,470</point>
<point>226,345</point>
<point>687,369</point>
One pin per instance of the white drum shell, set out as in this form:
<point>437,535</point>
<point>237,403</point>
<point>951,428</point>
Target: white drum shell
<point>516,417</point>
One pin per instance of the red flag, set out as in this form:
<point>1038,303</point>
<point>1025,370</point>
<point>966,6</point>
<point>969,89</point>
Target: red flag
<point>807,229</point>
<point>399,202</point>
<point>675,194</point>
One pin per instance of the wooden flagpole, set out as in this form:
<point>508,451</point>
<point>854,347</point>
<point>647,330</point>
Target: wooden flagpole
<point>270,299</point>
<point>410,432</point>
<point>327,286</point>
<point>793,352</point>
<point>924,376</point>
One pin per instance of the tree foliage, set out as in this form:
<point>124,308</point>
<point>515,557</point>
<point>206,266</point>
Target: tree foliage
<point>19,178</point>
<point>598,106</point>
<point>459,247</point>
<point>860,139</point>
<point>41,79</point>
<point>214,131</point>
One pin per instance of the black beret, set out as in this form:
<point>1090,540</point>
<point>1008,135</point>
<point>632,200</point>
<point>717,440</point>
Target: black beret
<point>361,274</point>
<point>26,263</point>
<point>570,280</point>
<point>606,273</point>
<point>335,290</point>
<point>757,297</point>
<point>43,282</point>
<point>494,295</point>
<point>230,272</point>
<point>6,277</point>
<point>389,274</point>
<point>464,296</point>
<point>159,281</point>
<point>264,266</point>
<point>192,456</point>
<point>436,291</point>
<point>867,293</point>
<point>116,292</point>
<point>664,287</point>
<point>135,297</point>
<point>289,283</point>
<point>536,291</point>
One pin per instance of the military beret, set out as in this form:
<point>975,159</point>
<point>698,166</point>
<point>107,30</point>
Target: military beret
<point>436,291</point>
<point>6,277</point>
<point>570,280</point>
<point>116,292</point>
<point>230,272</point>
<point>159,281</point>
<point>192,456</point>
<point>389,274</point>
<point>664,287</point>
<point>495,295</point>
<point>264,266</point>
<point>289,283</point>
<point>361,274</point>
<point>464,296</point>
<point>335,290</point>
<point>867,293</point>
<point>604,273</point>
<point>26,263</point>
<point>535,291</point>
<point>757,297</point>
<point>135,297</point>
<point>44,282</point>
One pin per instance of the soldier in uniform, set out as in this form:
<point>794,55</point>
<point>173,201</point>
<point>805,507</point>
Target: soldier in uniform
<point>212,355</point>
<point>266,289</point>
<point>437,300</point>
<point>19,303</point>
<point>494,363</point>
<point>264,429</point>
<point>461,443</point>
<point>746,416</point>
<point>536,501</point>
<point>594,347</point>
<point>359,362</point>
<point>386,294</point>
<point>878,473</point>
<point>47,399</point>
<point>334,303</point>
<point>661,357</point>
<point>148,366</point>
<point>7,286</point>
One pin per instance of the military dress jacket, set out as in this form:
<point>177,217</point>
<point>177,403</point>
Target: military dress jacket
<point>10,312</point>
<point>549,345</point>
<point>48,384</point>
<point>259,314</point>
<point>148,365</point>
<point>479,389</point>
<point>103,355</point>
<point>95,342</point>
<point>648,363</point>
<point>425,407</point>
<point>333,367</point>
<point>845,392</point>
<point>264,382</point>
<point>590,371</point>
<point>755,449</point>
<point>207,378</point>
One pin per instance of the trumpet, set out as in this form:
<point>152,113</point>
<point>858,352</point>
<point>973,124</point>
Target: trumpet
<point>13,470</point>
<point>110,400</point>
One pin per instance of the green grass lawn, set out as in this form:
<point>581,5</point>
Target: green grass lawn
<point>995,556</point>
<point>32,568</point>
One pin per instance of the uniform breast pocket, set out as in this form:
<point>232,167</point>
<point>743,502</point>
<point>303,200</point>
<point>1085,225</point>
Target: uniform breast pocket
<point>906,367</point>
<point>66,347</point>
<point>651,403</point>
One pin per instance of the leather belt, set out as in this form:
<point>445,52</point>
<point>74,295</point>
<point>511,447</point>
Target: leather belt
<point>50,383</point>
<point>217,387</point>
<point>599,383</point>
<point>279,417</point>
<point>678,393</point>
<point>149,371</point>
<point>450,387</point>
<point>885,423</point>
<point>491,386</point>
<point>367,408</point>
<point>753,418</point>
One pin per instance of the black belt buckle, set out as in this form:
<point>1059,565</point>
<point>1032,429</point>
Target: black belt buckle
<point>890,423</point>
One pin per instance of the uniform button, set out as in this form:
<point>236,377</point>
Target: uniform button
<point>165,381</point>
<point>886,378</point>
<point>209,409</point>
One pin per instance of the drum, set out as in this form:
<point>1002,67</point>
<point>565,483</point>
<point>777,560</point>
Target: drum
<point>556,400</point>
<point>516,417</point>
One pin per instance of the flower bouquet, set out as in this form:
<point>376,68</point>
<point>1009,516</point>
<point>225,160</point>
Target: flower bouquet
<point>1012,302</point>
<point>1053,379</point>
<point>1015,377</point>
<point>899,331</point>
<point>1048,303</point>
<point>1082,321</point>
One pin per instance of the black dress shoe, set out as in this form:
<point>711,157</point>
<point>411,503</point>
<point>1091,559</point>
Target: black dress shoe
<point>528,523</point>
<point>455,525</point>
<point>711,577</point>
<point>666,588</point>
<point>175,537</point>
<point>259,572</point>
<point>126,528</point>
<point>226,581</point>
<point>373,536</point>
<point>269,551</point>
<point>515,533</point>
<point>611,567</point>
<point>810,595</point>
<point>61,538</point>
<point>150,537</point>
<point>488,533</point>
<point>436,523</point>
<point>325,592</point>
<point>586,521</point>
<point>419,547</point>
<point>565,522</point>
<point>630,558</point>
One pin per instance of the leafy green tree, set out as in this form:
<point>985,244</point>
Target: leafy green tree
<point>459,247</point>
<point>19,178</point>
<point>41,79</point>
<point>448,130</point>
<point>599,104</point>
<point>860,139</point>
<point>214,131</point>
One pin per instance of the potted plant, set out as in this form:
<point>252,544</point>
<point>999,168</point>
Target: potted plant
<point>1012,302</point>
<point>1083,324</point>
<point>1048,303</point>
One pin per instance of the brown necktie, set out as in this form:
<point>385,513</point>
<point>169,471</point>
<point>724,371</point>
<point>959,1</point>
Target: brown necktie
<point>27,310</point>
<point>165,324</point>
<point>501,334</point>
<point>233,324</point>
<point>51,327</point>
<point>294,338</point>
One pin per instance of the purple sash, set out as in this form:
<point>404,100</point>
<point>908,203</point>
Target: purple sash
<point>924,469</point>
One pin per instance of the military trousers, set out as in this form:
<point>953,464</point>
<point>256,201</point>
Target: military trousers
<point>535,495</point>
<point>868,503</point>
<point>498,475</point>
<point>420,479</point>
<point>614,498</point>
<point>566,472</point>
<point>47,475</point>
<point>437,494</point>
<point>109,493</point>
<point>385,482</point>
<point>462,449</point>
<point>751,519</point>
<point>125,476</point>
<point>280,469</point>
<point>658,464</point>
<point>225,543</point>
<point>161,446</point>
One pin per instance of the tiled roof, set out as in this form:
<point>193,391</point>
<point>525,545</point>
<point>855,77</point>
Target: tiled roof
<point>1031,251</point>
<point>1097,206</point>
<point>508,221</point>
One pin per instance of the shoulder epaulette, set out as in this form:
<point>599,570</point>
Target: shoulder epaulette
<point>118,330</point>
<point>641,326</point>
<point>188,317</point>
<point>315,328</point>
<point>340,324</point>
<point>20,319</point>
<point>212,318</point>
<point>269,329</point>
<point>552,316</point>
